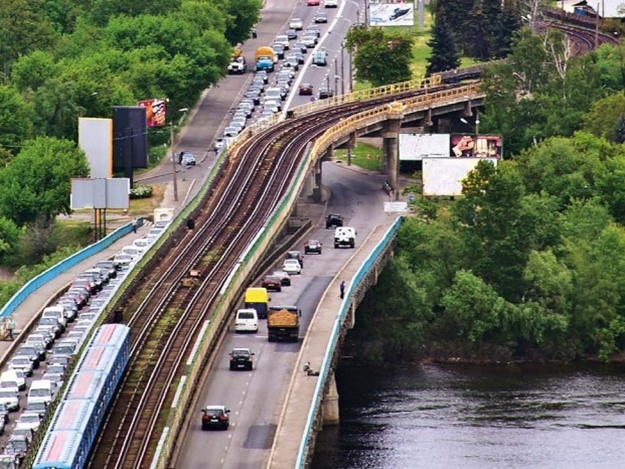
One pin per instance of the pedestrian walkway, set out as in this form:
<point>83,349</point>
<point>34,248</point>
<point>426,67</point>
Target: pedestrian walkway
<point>26,314</point>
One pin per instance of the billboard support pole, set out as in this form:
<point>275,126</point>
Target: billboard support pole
<point>366,13</point>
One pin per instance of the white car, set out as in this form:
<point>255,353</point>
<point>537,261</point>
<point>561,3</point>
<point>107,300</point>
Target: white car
<point>29,420</point>
<point>296,23</point>
<point>331,3</point>
<point>309,41</point>
<point>282,39</point>
<point>10,398</point>
<point>292,267</point>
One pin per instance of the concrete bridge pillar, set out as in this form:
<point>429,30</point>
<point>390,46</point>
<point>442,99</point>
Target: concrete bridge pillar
<point>309,184</point>
<point>331,403</point>
<point>350,146</point>
<point>317,193</point>
<point>390,145</point>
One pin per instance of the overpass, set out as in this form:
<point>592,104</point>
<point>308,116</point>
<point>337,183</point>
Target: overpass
<point>421,103</point>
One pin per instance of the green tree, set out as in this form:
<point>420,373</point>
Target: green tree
<point>243,15</point>
<point>602,120</point>
<point>24,29</point>
<point>9,239</point>
<point>36,184</point>
<point>444,55</point>
<point>15,115</point>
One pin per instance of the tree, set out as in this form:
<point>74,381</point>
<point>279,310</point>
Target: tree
<point>243,15</point>
<point>15,115</point>
<point>36,184</point>
<point>605,115</point>
<point>444,54</point>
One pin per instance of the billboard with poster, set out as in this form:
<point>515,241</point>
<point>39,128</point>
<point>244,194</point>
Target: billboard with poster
<point>443,176</point>
<point>155,111</point>
<point>415,147</point>
<point>481,146</point>
<point>391,14</point>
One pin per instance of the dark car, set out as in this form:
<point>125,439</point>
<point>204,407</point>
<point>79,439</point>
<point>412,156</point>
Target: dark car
<point>291,34</point>
<point>285,279</point>
<point>296,255</point>
<point>334,220</point>
<point>312,245</point>
<point>278,49</point>
<point>241,358</point>
<point>4,413</point>
<point>108,266</point>
<point>292,62</point>
<point>271,283</point>
<point>253,94</point>
<point>320,18</point>
<point>303,48</point>
<point>325,93</point>
<point>305,89</point>
<point>215,416</point>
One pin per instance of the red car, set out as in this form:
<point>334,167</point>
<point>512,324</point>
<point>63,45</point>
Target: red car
<point>312,3</point>
<point>272,283</point>
<point>305,89</point>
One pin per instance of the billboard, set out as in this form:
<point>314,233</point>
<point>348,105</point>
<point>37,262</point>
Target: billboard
<point>443,176</point>
<point>481,146</point>
<point>155,111</point>
<point>100,193</point>
<point>391,14</point>
<point>130,138</point>
<point>414,147</point>
<point>95,138</point>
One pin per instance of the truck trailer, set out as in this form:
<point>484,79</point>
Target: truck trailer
<point>283,323</point>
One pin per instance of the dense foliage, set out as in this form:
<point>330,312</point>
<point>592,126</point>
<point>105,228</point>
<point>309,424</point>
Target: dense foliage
<point>527,264</point>
<point>380,58</point>
<point>480,29</point>
<point>63,59</point>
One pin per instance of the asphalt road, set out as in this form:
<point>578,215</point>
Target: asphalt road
<point>255,398</point>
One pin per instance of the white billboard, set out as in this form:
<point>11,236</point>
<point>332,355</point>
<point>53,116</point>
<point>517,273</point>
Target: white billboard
<point>391,14</point>
<point>443,176</point>
<point>100,193</point>
<point>95,137</point>
<point>415,147</point>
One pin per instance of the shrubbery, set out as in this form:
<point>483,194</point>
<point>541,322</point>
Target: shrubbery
<point>141,192</point>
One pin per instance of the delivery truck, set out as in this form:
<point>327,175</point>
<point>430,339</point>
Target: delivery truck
<point>283,323</point>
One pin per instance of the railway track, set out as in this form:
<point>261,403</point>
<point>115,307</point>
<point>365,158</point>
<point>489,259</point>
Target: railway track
<point>167,315</point>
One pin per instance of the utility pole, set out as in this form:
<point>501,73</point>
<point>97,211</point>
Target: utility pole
<point>336,77</point>
<point>342,70</point>
<point>173,158</point>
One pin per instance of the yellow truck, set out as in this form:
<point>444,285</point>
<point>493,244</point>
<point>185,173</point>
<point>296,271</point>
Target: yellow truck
<point>283,323</point>
<point>257,298</point>
<point>265,58</point>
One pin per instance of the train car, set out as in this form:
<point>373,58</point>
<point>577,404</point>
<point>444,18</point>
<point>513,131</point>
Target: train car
<point>62,450</point>
<point>89,392</point>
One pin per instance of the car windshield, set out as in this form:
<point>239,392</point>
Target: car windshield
<point>246,315</point>
<point>241,351</point>
<point>4,394</point>
<point>21,361</point>
<point>29,418</point>
<point>213,412</point>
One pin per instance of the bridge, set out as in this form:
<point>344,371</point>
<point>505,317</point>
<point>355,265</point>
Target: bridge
<point>295,437</point>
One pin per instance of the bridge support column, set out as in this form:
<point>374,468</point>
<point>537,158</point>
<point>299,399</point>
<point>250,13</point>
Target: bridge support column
<point>391,136</point>
<point>309,184</point>
<point>331,403</point>
<point>317,193</point>
<point>350,146</point>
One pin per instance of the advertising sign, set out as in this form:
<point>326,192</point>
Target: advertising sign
<point>391,14</point>
<point>155,111</point>
<point>481,146</point>
<point>443,176</point>
<point>95,137</point>
<point>391,207</point>
<point>414,147</point>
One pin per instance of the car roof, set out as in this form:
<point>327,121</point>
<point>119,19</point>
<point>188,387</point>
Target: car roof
<point>241,349</point>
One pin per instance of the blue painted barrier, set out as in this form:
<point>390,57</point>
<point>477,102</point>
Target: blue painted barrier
<point>63,266</point>
<point>327,359</point>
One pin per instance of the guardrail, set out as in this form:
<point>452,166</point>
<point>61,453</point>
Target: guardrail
<point>302,454</point>
<point>63,266</point>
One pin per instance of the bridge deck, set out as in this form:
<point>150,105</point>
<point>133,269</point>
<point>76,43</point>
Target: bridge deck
<point>302,387</point>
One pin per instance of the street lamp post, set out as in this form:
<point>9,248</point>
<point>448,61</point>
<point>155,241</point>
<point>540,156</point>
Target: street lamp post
<point>477,124</point>
<point>173,150</point>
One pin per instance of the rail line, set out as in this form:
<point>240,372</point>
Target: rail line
<point>166,315</point>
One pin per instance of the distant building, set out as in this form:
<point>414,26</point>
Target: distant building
<point>606,8</point>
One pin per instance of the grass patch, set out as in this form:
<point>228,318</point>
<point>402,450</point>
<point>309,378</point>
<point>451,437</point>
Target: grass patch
<point>364,155</point>
<point>73,232</point>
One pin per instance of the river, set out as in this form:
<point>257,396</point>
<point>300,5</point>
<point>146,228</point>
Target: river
<point>429,416</point>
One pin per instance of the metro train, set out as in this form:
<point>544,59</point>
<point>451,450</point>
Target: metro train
<point>91,388</point>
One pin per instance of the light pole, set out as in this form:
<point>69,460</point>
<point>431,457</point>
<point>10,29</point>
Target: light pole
<point>173,149</point>
<point>337,78</point>
<point>477,124</point>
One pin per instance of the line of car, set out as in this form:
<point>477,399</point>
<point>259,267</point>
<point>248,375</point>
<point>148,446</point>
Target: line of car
<point>37,370</point>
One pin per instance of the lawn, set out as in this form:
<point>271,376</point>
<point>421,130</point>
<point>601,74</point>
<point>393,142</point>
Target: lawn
<point>364,156</point>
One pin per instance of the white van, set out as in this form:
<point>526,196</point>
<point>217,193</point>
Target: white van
<point>40,391</point>
<point>57,312</point>
<point>246,320</point>
<point>10,379</point>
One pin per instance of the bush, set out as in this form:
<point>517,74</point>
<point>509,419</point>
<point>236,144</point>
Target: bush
<point>141,192</point>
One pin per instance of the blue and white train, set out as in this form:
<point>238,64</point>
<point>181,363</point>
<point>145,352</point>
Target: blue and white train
<point>91,388</point>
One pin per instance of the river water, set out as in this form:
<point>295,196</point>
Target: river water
<point>427,416</point>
